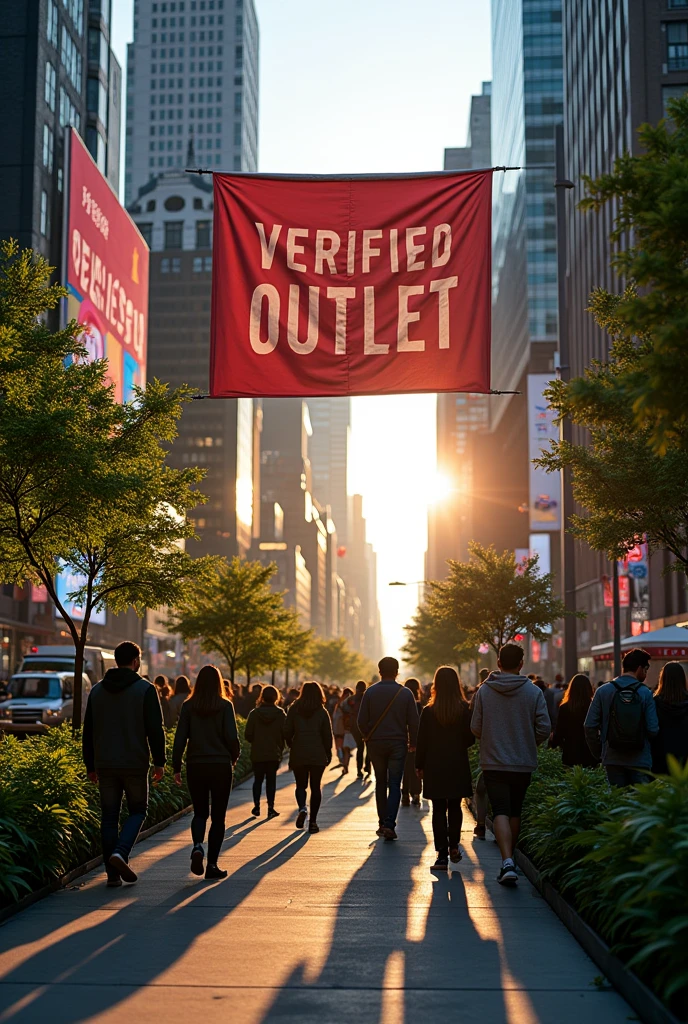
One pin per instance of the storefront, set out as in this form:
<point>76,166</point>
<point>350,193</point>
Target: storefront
<point>663,645</point>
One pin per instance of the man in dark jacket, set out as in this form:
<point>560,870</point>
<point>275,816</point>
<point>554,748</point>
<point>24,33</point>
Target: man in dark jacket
<point>122,730</point>
<point>388,721</point>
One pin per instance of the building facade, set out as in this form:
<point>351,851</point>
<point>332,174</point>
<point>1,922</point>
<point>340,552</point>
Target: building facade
<point>329,447</point>
<point>192,73</point>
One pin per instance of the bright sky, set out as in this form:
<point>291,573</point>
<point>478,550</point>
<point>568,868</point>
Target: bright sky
<point>371,86</point>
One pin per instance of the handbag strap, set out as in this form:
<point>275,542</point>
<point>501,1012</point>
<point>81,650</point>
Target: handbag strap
<point>384,713</point>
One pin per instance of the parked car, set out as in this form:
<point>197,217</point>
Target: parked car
<point>39,701</point>
<point>60,658</point>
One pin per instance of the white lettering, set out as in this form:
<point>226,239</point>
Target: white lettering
<point>269,292</point>
<point>441,234</point>
<point>296,250</point>
<point>326,255</point>
<point>267,249</point>
<point>85,265</point>
<point>394,250</point>
<point>406,317</point>
<point>76,251</point>
<point>370,347</point>
<point>442,288</point>
<point>412,249</point>
<point>340,296</point>
<point>351,254</point>
<point>368,250</point>
<point>303,348</point>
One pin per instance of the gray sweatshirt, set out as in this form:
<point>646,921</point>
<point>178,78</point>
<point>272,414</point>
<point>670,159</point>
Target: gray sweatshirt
<point>510,719</point>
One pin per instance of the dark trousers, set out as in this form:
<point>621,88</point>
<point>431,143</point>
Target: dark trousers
<point>389,758</point>
<point>265,770</point>
<point>113,786</point>
<point>618,775</point>
<point>304,775</point>
<point>447,819</point>
<point>362,752</point>
<point>210,786</point>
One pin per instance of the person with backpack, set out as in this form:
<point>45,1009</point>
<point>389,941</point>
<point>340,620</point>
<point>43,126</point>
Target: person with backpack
<point>388,721</point>
<point>308,731</point>
<point>622,721</point>
<point>265,733</point>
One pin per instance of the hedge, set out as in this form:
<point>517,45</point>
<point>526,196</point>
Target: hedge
<point>50,812</point>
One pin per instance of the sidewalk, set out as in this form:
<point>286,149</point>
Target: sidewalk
<point>308,929</point>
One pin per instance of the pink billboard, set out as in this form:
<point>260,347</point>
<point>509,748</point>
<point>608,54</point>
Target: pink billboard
<point>107,272</point>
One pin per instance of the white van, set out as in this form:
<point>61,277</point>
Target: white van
<point>59,659</point>
<point>40,700</point>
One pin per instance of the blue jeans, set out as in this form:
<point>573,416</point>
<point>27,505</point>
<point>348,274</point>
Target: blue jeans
<point>113,786</point>
<point>619,775</point>
<point>389,758</point>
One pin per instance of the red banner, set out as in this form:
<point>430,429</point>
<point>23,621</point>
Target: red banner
<point>358,286</point>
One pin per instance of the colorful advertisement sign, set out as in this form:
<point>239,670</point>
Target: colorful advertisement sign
<point>69,582</point>
<point>106,272</point>
<point>544,503</point>
<point>351,286</point>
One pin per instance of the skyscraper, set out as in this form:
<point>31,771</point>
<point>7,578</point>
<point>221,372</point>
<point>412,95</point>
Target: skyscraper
<point>57,69</point>
<point>328,450</point>
<point>192,74</point>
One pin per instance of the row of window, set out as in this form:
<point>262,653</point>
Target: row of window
<point>201,264</point>
<point>677,45</point>
<point>75,9</point>
<point>70,56</point>
<point>202,5</point>
<point>212,159</point>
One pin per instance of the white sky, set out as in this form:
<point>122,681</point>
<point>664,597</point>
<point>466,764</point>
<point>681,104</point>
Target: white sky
<point>370,86</point>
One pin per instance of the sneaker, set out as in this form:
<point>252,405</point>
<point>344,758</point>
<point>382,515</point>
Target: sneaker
<point>405,802</point>
<point>381,831</point>
<point>388,834</point>
<point>441,864</point>
<point>345,771</point>
<point>272,813</point>
<point>479,831</point>
<point>114,882</point>
<point>120,865</point>
<point>416,801</point>
<point>313,827</point>
<point>507,875</point>
<point>197,860</point>
<point>255,811</point>
<point>455,855</point>
<point>301,818</point>
<point>213,871</point>
<point>359,775</point>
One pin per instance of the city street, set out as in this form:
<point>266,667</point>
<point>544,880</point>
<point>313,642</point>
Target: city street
<point>320,928</point>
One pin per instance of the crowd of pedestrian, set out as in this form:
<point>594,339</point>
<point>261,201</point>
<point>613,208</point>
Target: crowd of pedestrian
<point>414,738</point>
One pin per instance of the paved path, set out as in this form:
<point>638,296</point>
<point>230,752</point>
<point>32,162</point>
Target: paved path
<point>310,929</point>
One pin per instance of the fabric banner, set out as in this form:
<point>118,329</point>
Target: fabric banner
<point>351,286</point>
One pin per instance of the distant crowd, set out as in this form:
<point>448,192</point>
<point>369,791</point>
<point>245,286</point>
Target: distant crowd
<point>414,738</point>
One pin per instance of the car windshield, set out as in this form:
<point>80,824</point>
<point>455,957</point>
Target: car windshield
<point>48,664</point>
<point>36,686</point>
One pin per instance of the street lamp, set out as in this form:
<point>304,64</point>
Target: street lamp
<point>409,583</point>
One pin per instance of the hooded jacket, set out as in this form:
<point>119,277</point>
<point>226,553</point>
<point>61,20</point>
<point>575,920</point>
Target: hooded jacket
<point>510,719</point>
<point>265,733</point>
<point>207,739</point>
<point>123,724</point>
<point>309,737</point>
<point>672,737</point>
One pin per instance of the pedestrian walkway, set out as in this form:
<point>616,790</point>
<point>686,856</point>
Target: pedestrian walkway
<point>309,929</point>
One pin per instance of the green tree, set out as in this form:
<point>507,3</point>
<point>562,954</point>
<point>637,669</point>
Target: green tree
<point>490,599</point>
<point>650,241</point>
<point>294,643</point>
<point>84,487</point>
<point>433,638</point>
<point>334,661</point>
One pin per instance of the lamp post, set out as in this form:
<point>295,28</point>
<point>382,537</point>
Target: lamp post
<point>568,566</point>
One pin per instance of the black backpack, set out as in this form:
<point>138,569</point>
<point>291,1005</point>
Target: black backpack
<point>626,729</point>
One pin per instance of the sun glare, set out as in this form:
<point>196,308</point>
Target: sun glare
<point>441,488</point>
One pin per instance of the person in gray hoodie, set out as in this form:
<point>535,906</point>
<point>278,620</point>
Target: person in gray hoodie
<point>510,719</point>
<point>265,732</point>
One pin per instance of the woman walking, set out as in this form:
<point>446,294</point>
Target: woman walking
<point>308,731</point>
<point>182,689</point>
<point>671,701</point>
<point>411,786</point>
<point>444,736</point>
<point>569,733</point>
<point>338,726</point>
<point>265,733</point>
<point>207,731</point>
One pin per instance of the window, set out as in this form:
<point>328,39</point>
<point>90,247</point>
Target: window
<point>75,9</point>
<point>50,84</point>
<point>173,234</point>
<point>198,265</point>
<point>237,133</point>
<point>164,265</point>
<point>202,234</point>
<point>208,264</point>
<point>237,163</point>
<point>71,58</point>
<point>45,215</point>
<point>672,92</point>
<point>96,99</point>
<point>48,146</point>
<point>51,30</point>
<point>677,45</point>
<point>68,112</point>
<point>176,265</point>
<point>237,102</point>
<point>673,4</point>
<point>147,232</point>
<point>150,206</point>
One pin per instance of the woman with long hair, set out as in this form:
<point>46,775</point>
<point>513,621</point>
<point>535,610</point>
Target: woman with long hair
<point>411,786</point>
<point>207,732</point>
<point>182,689</point>
<point>569,733</point>
<point>308,731</point>
<point>444,736</point>
<point>265,733</point>
<point>671,702</point>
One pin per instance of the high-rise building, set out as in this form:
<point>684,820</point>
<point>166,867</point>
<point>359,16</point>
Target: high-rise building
<point>57,69</point>
<point>174,214</point>
<point>192,73</point>
<point>328,450</point>
<point>640,50</point>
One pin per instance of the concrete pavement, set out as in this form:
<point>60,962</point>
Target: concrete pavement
<point>309,929</point>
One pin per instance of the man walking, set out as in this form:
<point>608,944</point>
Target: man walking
<point>388,722</point>
<point>122,730</point>
<point>353,706</point>
<point>510,719</point>
<point>621,722</point>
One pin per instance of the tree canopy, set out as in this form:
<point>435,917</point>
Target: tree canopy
<point>335,662</point>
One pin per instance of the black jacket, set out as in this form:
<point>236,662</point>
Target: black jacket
<point>442,755</point>
<point>310,738</point>
<point>207,739</point>
<point>123,724</point>
<point>569,734</point>
<point>672,737</point>
<point>265,733</point>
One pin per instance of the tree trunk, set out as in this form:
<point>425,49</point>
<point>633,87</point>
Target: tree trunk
<point>248,677</point>
<point>272,680</point>
<point>286,678</point>
<point>77,690</point>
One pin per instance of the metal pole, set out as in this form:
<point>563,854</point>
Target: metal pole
<point>617,618</point>
<point>568,566</point>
